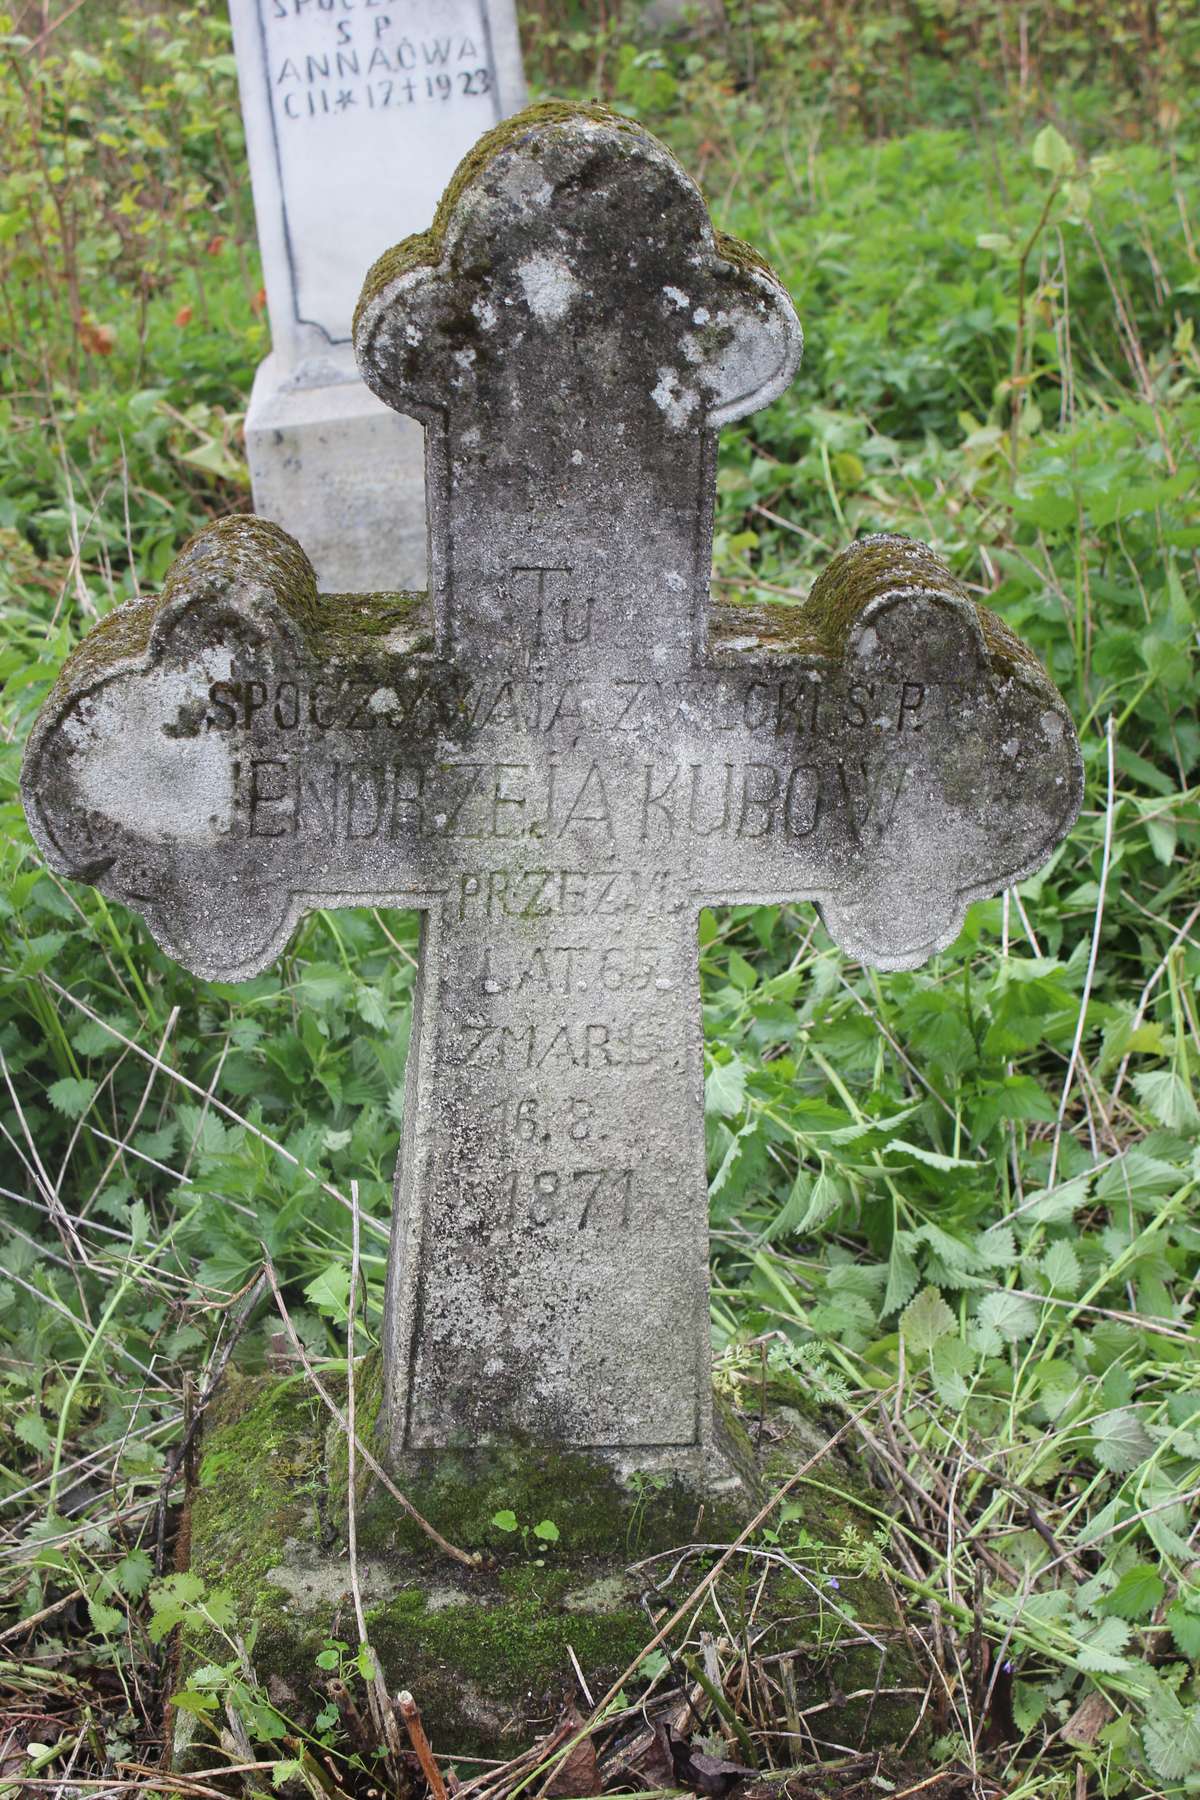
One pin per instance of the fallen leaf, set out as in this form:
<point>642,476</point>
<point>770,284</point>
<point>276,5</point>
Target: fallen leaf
<point>259,300</point>
<point>646,1758</point>
<point>214,246</point>
<point>578,1774</point>
<point>97,340</point>
<point>712,1776</point>
<point>184,316</point>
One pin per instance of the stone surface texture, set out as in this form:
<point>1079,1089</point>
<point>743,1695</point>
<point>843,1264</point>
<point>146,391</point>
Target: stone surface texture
<point>559,755</point>
<point>356,117</point>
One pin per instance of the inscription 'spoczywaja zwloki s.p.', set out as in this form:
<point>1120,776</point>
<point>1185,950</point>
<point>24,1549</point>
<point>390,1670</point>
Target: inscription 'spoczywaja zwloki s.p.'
<point>559,754</point>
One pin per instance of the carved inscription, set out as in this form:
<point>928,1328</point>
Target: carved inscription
<point>524,1118</point>
<point>580,1199</point>
<point>301,796</point>
<point>568,1207</point>
<point>420,701</point>
<point>404,755</point>
<point>347,89</point>
<point>641,1042</point>
<point>566,893</point>
<point>331,57</point>
<point>569,969</point>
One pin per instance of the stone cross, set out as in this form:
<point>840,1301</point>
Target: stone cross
<point>357,113</point>
<point>559,755</point>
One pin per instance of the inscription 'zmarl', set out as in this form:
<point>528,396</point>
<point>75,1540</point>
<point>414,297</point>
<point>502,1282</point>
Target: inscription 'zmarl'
<point>642,1042</point>
<point>559,754</point>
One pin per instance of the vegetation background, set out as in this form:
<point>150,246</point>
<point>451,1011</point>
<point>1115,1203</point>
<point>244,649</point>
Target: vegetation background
<point>973,1187</point>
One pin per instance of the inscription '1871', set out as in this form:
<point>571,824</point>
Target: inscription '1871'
<point>602,1199</point>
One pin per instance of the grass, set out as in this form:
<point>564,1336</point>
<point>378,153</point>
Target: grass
<point>959,1203</point>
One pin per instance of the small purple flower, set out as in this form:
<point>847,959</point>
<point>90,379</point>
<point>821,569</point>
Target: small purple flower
<point>1009,1666</point>
<point>834,1582</point>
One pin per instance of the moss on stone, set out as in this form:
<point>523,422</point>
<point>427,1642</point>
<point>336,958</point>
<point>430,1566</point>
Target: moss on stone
<point>486,1649</point>
<point>368,1403</point>
<point>492,1662</point>
<point>350,623</point>
<point>461,1491</point>
<point>259,1484</point>
<point>122,636</point>
<point>743,255</point>
<point>242,552</point>
<point>246,553</point>
<point>867,570</point>
<point>245,549</point>
<point>251,553</point>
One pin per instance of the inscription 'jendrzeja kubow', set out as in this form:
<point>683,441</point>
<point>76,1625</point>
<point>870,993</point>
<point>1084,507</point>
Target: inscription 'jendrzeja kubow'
<point>558,756</point>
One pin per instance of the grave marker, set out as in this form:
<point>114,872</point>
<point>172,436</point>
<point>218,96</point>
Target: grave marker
<point>559,757</point>
<point>356,116</point>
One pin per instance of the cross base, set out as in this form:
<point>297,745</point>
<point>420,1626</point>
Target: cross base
<point>487,1651</point>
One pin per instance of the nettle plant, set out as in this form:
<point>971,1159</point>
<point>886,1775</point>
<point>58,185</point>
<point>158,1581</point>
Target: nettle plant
<point>217,1692</point>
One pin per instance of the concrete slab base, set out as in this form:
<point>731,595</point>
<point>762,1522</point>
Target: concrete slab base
<point>343,474</point>
<point>488,1650</point>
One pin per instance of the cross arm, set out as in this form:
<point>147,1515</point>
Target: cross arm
<point>907,754</point>
<point>238,749</point>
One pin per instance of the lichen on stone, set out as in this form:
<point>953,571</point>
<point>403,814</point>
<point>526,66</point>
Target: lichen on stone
<point>425,247</point>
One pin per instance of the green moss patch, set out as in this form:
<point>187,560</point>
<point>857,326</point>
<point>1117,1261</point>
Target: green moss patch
<point>883,564</point>
<point>487,1650</point>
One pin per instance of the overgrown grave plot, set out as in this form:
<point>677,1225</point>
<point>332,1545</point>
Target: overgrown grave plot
<point>532,1320</point>
<point>809,1289</point>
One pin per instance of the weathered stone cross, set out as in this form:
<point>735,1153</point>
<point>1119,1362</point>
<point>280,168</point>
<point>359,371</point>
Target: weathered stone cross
<point>558,756</point>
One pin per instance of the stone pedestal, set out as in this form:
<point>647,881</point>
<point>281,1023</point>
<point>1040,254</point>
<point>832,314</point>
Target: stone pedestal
<point>341,472</point>
<point>485,1650</point>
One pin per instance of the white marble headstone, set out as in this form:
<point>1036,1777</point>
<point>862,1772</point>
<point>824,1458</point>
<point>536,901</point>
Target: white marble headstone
<point>357,112</point>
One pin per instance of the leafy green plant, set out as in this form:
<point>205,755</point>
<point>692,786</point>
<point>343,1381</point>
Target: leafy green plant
<point>544,1532</point>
